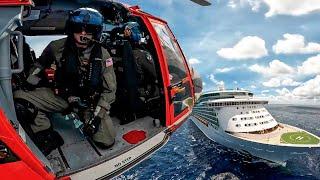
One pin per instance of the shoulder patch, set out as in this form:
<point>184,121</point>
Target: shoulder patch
<point>149,58</point>
<point>109,62</point>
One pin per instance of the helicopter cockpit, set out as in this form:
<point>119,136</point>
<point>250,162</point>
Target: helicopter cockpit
<point>44,25</point>
<point>142,128</point>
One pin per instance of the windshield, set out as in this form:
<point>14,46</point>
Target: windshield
<point>174,58</point>
<point>177,67</point>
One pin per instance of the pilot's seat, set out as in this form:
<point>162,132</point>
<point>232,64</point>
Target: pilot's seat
<point>132,101</point>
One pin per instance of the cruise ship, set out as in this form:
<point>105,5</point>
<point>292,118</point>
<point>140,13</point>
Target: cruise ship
<point>237,120</point>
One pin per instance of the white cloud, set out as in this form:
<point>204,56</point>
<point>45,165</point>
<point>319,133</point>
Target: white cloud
<point>232,4</point>
<point>309,89</point>
<point>275,68</point>
<point>249,47</point>
<point>291,7</point>
<point>280,7</point>
<point>254,4</point>
<point>281,81</point>
<point>194,61</point>
<point>224,70</point>
<point>295,44</point>
<point>253,87</point>
<point>215,81</point>
<point>310,66</point>
<point>307,94</point>
<point>274,82</point>
<point>284,92</point>
<point>289,82</point>
<point>285,96</point>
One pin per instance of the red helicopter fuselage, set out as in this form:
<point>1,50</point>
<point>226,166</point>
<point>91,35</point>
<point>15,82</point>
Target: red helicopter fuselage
<point>18,161</point>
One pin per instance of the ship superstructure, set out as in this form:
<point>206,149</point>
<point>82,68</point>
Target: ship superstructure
<point>236,119</point>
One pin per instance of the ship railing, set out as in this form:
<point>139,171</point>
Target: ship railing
<point>213,124</point>
<point>205,111</point>
<point>230,103</point>
<point>209,118</point>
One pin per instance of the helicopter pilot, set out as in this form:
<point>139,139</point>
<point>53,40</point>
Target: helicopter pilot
<point>146,87</point>
<point>83,71</point>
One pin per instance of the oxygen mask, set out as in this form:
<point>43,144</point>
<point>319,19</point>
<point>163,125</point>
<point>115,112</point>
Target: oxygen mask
<point>82,39</point>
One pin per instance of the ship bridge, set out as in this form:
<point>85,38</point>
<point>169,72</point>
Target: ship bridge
<point>225,94</point>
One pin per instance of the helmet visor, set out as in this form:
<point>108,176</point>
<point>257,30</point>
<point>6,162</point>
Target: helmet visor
<point>88,28</point>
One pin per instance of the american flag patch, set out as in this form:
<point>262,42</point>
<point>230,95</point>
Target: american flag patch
<point>109,62</point>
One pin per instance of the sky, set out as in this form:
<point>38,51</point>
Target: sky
<point>270,47</point>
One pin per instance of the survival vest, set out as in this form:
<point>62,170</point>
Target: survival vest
<point>75,79</point>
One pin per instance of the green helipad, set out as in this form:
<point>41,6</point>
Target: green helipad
<point>299,138</point>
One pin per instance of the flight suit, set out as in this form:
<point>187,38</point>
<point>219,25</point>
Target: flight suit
<point>146,72</point>
<point>49,101</point>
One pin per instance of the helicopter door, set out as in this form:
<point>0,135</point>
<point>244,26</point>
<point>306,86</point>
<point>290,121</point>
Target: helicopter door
<point>180,91</point>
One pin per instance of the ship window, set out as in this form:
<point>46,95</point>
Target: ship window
<point>237,107</point>
<point>238,125</point>
<point>234,119</point>
<point>240,112</point>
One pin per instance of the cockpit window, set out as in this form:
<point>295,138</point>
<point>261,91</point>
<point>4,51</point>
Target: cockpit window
<point>174,57</point>
<point>38,43</point>
<point>177,68</point>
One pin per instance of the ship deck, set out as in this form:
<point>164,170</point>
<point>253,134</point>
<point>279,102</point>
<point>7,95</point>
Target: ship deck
<point>284,135</point>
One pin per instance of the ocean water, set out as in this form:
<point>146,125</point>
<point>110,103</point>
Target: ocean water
<point>189,154</point>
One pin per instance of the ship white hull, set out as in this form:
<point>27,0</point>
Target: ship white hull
<point>274,153</point>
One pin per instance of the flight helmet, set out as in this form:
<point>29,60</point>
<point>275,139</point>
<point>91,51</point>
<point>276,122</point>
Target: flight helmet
<point>87,19</point>
<point>135,31</point>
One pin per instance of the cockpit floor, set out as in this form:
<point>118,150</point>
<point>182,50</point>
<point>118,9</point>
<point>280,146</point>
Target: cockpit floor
<point>79,153</point>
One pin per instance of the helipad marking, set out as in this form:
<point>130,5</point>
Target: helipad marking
<point>299,138</point>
